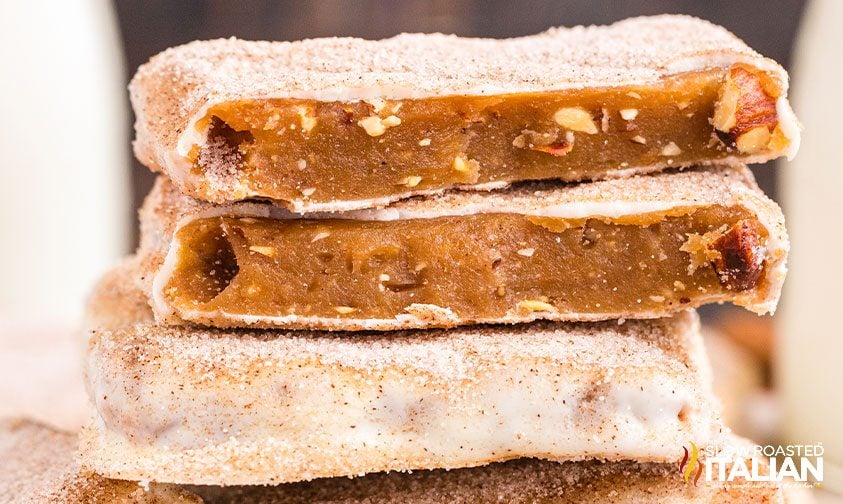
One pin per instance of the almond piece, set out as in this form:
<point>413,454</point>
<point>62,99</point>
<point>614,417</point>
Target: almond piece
<point>671,149</point>
<point>307,119</point>
<point>726,109</point>
<point>754,140</point>
<point>534,305</point>
<point>747,100</point>
<point>260,249</point>
<point>779,140</point>
<point>321,235</point>
<point>412,181</point>
<point>544,142</point>
<point>629,114</point>
<point>575,119</point>
<point>469,168</point>
<point>391,121</point>
<point>740,257</point>
<point>373,125</point>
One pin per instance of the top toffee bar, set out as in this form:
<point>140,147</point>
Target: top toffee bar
<point>337,124</point>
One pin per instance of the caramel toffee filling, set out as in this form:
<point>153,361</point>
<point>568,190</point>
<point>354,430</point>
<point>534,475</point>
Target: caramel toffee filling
<point>295,149</point>
<point>481,266</point>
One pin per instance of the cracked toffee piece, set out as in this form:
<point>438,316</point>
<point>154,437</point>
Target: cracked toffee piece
<point>637,248</point>
<point>340,124</point>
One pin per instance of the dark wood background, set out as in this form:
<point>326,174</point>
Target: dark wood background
<point>149,26</point>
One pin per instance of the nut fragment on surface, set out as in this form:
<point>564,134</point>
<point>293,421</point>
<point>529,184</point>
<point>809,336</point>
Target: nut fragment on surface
<point>754,140</point>
<point>344,310</point>
<point>629,114</point>
<point>739,262</point>
<point>736,253</point>
<point>639,139</point>
<point>526,252</point>
<point>575,119</point>
<point>308,120</point>
<point>411,181</point>
<point>544,142</point>
<point>391,121</point>
<point>308,191</point>
<point>377,104</point>
<point>260,249</point>
<point>469,168</point>
<point>424,142</point>
<point>747,106</point>
<point>375,126</point>
<point>698,248</point>
<point>463,165</point>
<point>320,236</point>
<point>726,109</point>
<point>671,149</point>
<point>534,305</point>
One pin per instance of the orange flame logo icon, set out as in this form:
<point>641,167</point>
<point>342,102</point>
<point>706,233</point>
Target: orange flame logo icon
<point>690,461</point>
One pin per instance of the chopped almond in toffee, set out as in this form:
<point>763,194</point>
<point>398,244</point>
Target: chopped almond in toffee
<point>740,260</point>
<point>745,116</point>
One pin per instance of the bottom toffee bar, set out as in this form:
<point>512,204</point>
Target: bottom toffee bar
<point>203,406</point>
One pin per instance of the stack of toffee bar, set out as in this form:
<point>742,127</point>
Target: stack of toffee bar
<point>432,252</point>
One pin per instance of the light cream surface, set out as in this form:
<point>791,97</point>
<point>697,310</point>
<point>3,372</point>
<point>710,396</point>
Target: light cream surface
<point>201,406</point>
<point>166,210</point>
<point>175,88</point>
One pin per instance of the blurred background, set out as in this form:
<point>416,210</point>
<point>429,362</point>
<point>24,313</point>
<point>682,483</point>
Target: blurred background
<point>69,186</point>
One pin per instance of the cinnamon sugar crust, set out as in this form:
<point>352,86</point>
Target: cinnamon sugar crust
<point>173,91</point>
<point>37,464</point>
<point>167,210</point>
